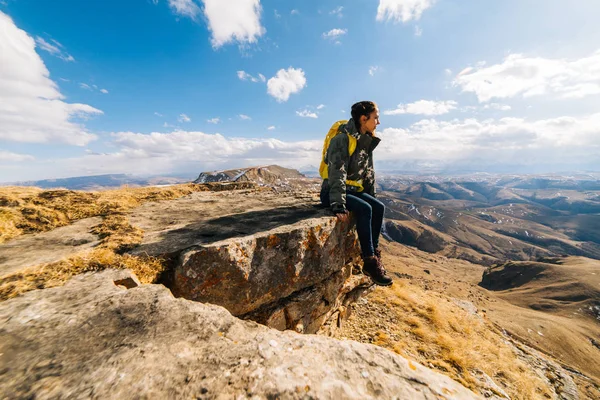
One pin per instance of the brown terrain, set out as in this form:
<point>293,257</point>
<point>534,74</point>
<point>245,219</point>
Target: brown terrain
<point>497,282</point>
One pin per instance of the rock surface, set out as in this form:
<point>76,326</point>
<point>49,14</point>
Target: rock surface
<point>47,247</point>
<point>271,257</point>
<point>94,338</point>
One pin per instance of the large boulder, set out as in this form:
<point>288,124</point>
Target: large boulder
<point>103,335</point>
<point>271,257</point>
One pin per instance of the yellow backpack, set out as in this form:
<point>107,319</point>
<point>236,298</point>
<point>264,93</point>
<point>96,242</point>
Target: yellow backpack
<point>323,169</point>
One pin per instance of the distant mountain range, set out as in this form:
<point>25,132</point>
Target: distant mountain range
<point>487,219</point>
<point>96,182</point>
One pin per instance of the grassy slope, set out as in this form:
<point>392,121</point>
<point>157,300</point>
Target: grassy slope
<point>30,210</point>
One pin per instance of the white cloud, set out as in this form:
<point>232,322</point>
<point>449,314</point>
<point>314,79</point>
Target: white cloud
<point>54,50</point>
<point>294,12</point>
<point>337,11</point>
<point>31,106</point>
<point>418,31</point>
<point>244,117</point>
<point>92,88</point>
<point>448,71</point>
<point>185,8</point>
<point>334,34</point>
<point>285,83</point>
<point>373,69</point>
<point>402,10</point>
<point>214,120</point>
<point>424,107</point>
<point>244,76</point>
<point>533,76</point>
<point>497,106</point>
<point>277,15</point>
<point>158,114</point>
<point>233,21</point>
<point>271,128</point>
<point>7,156</point>
<point>320,106</point>
<point>306,114</point>
<point>184,118</point>
<point>512,143</point>
<point>509,142</point>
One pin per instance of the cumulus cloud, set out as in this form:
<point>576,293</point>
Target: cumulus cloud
<point>104,91</point>
<point>485,144</point>
<point>271,128</point>
<point>233,21</point>
<point>306,114</point>
<point>214,120</point>
<point>424,107</point>
<point>7,156</point>
<point>373,69</point>
<point>184,118</point>
<point>418,31</point>
<point>185,8</point>
<point>320,106</point>
<point>524,76</point>
<point>55,49</point>
<point>244,117</point>
<point>286,83</point>
<point>179,151</point>
<point>334,34</point>
<point>402,10</point>
<point>32,109</point>
<point>515,144</point>
<point>244,76</point>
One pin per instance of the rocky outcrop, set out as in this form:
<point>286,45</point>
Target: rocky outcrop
<point>105,336</point>
<point>271,175</point>
<point>273,258</point>
<point>296,274</point>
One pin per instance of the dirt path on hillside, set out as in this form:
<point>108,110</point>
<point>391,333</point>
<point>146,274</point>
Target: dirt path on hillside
<point>47,247</point>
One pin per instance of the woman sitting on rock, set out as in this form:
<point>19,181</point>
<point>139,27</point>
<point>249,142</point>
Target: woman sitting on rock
<point>350,184</point>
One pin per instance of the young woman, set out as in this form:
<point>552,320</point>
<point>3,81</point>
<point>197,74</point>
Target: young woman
<point>351,184</point>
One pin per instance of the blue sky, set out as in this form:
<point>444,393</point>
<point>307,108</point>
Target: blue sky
<point>183,86</point>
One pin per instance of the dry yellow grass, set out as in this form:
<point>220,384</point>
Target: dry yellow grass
<point>28,210</point>
<point>117,235</point>
<point>147,269</point>
<point>438,333</point>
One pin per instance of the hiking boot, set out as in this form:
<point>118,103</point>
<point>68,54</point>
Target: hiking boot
<point>378,253</point>
<point>373,268</point>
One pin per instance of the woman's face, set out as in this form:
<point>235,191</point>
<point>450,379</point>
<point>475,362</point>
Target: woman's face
<point>371,123</point>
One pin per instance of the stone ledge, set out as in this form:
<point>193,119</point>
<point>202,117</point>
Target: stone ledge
<point>94,338</point>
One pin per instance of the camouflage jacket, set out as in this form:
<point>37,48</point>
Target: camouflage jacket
<point>342,167</point>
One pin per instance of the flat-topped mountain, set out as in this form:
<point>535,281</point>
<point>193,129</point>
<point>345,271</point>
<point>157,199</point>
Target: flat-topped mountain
<point>270,175</point>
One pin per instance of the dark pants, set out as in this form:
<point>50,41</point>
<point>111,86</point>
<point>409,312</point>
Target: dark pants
<point>368,212</point>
